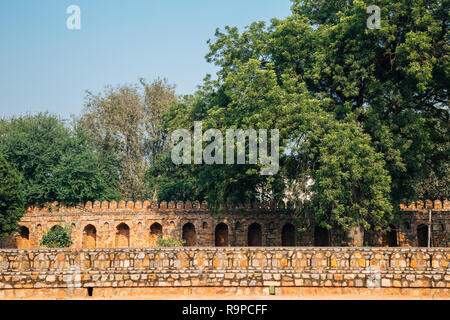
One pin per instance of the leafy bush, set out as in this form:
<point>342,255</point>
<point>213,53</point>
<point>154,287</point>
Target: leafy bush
<point>57,237</point>
<point>57,162</point>
<point>169,242</point>
<point>11,198</point>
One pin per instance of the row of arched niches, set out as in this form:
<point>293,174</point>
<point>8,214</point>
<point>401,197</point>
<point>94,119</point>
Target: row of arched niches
<point>250,235</point>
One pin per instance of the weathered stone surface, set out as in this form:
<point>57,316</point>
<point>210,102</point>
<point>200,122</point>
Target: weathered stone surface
<point>129,224</point>
<point>175,267</point>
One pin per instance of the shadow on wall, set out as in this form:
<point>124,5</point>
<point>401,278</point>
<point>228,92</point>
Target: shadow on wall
<point>189,235</point>
<point>254,237</point>
<point>288,235</point>
<point>89,237</point>
<point>422,235</point>
<point>390,237</point>
<point>155,231</point>
<point>321,237</point>
<point>221,235</point>
<point>122,236</point>
<point>23,238</point>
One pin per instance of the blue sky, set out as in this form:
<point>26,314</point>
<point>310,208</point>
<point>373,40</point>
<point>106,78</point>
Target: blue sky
<point>45,66</point>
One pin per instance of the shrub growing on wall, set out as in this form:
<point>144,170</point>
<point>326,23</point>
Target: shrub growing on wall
<point>57,237</point>
<point>169,242</point>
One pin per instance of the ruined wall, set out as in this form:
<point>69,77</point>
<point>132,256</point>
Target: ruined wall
<point>111,224</point>
<point>415,226</point>
<point>417,221</point>
<point>73,271</point>
<point>138,225</point>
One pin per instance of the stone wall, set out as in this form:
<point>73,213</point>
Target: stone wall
<point>80,272</point>
<point>417,219</point>
<point>138,224</point>
<point>140,228</point>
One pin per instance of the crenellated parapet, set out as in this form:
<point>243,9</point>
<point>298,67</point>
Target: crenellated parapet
<point>425,206</point>
<point>147,205</point>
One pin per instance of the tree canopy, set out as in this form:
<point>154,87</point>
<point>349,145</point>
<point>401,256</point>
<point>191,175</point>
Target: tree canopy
<point>126,126</point>
<point>362,113</point>
<point>58,163</point>
<point>11,198</point>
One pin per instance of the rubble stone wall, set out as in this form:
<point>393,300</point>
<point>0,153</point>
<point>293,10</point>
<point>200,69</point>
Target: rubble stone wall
<point>138,224</point>
<point>75,270</point>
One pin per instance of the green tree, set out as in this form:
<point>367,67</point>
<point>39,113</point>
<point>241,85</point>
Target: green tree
<point>216,183</point>
<point>363,114</point>
<point>173,183</point>
<point>58,163</point>
<point>82,173</point>
<point>11,199</point>
<point>35,145</point>
<point>351,184</point>
<point>393,81</point>
<point>126,124</point>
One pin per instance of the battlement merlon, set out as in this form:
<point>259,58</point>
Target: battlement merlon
<point>122,206</point>
<point>436,205</point>
<point>131,206</point>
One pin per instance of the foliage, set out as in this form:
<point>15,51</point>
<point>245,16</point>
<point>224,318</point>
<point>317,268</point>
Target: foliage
<point>125,124</point>
<point>169,242</point>
<point>351,183</point>
<point>173,183</point>
<point>11,198</point>
<point>363,114</point>
<point>82,174</point>
<point>57,237</point>
<point>56,162</point>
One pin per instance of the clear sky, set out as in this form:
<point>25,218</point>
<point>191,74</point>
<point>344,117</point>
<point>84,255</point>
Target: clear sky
<point>46,66</point>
